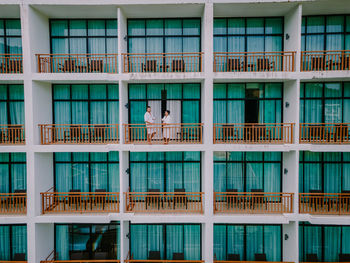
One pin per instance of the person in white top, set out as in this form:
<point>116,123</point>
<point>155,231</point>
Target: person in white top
<point>149,120</point>
<point>166,130</point>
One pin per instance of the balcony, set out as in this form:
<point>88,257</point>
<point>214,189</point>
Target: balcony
<point>253,202</point>
<point>80,202</point>
<point>154,258</point>
<point>13,203</point>
<point>77,63</point>
<point>156,202</point>
<point>79,133</point>
<point>324,203</point>
<point>325,60</point>
<point>52,259</point>
<point>162,62</point>
<point>11,64</point>
<point>271,133</point>
<point>178,133</point>
<point>254,61</point>
<point>12,134</point>
<point>324,133</point>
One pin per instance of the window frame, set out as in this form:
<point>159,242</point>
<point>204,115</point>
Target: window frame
<point>244,163</point>
<point>11,238</point>
<point>87,37</point>
<point>8,101</point>
<point>5,36</point>
<point>10,163</point>
<point>89,163</point>
<point>245,35</point>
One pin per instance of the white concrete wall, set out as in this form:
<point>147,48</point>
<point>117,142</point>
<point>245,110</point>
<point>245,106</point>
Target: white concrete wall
<point>35,15</point>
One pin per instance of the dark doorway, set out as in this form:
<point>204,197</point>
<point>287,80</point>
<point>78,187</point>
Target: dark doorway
<point>252,106</point>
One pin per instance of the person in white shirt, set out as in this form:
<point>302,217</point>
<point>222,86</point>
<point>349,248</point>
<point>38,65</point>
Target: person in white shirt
<point>166,130</point>
<point>149,120</point>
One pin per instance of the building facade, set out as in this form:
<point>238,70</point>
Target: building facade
<point>253,164</point>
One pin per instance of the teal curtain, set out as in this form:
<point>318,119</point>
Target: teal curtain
<point>174,240</point>
<point>248,240</point>
<point>163,35</point>
<point>325,32</point>
<point>13,164</point>
<point>230,99</point>
<point>247,171</point>
<point>165,171</point>
<point>235,240</point>
<point>139,241</point>
<point>155,239</point>
<point>192,242</point>
<point>86,104</point>
<point>328,172</point>
<point>87,171</point>
<point>10,36</point>
<point>326,241</point>
<point>5,251</point>
<point>248,34</point>
<point>11,104</point>
<point>219,242</point>
<point>18,242</point>
<point>71,36</point>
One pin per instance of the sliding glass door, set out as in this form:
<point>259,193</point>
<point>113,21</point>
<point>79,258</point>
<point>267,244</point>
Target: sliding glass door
<point>13,242</point>
<point>165,241</point>
<point>165,171</point>
<point>248,242</point>
<point>248,171</point>
<point>13,172</point>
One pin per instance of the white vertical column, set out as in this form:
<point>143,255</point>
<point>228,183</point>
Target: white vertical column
<point>292,27</point>
<point>290,176</point>
<point>207,90</point>
<point>207,110</point>
<point>291,106</point>
<point>122,43</point>
<point>290,242</point>
<point>124,245</point>
<point>123,111</point>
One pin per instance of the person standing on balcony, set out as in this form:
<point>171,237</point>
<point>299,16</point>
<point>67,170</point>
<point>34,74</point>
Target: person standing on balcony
<point>166,130</point>
<point>149,120</point>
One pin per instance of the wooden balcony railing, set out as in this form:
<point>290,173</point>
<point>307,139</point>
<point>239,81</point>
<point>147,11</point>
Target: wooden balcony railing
<point>278,133</point>
<point>178,133</point>
<point>325,60</point>
<point>77,63</point>
<point>162,62</point>
<point>324,203</point>
<point>79,133</point>
<point>164,202</point>
<point>79,202</point>
<point>232,261</point>
<point>11,64</point>
<point>254,61</point>
<point>81,261</point>
<point>12,134</point>
<point>324,133</point>
<point>253,202</point>
<point>13,203</point>
<point>161,261</point>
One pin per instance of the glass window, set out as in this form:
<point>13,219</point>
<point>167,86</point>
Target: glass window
<point>87,241</point>
<point>165,241</point>
<point>243,242</point>
<point>325,32</point>
<point>165,171</point>
<point>248,34</point>
<point>163,35</point>
<point>328,172</point>
<point>13,242</point>
<point>81,36</point>
<point>182,100</point>
<point>325,102</point>
<point>247,171</point>
<point>13,172</point>
<point>10,36</point>
<point>86,104</point>
<point>248,102</point>
<point>11,104</point>
<point>325,242</point>
<point>86,172</point>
